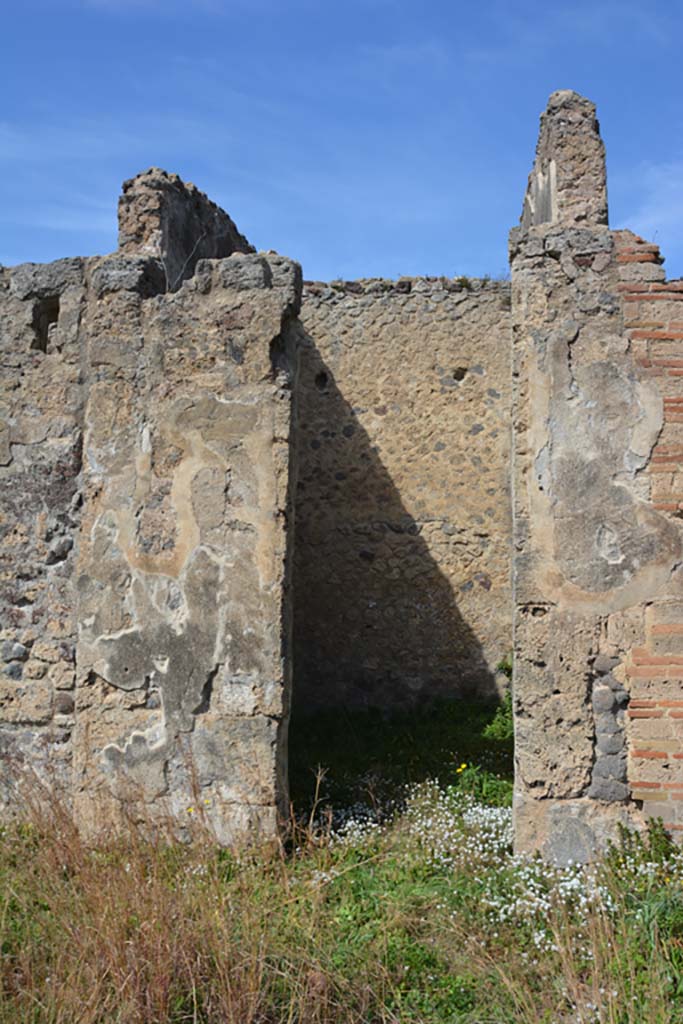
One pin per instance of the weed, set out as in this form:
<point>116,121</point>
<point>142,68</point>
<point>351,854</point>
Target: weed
<point>505,665</point>
<point>483,785</point>
<point>501,727</point>
<point>415,912</point>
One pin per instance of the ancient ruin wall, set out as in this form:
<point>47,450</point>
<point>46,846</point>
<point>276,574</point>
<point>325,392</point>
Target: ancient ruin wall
<point>145,455</point>
<point>653,662</point>
<point>403,521</point>
<point>597,554</point>
<point>148,509</point>
<point>41,412</point>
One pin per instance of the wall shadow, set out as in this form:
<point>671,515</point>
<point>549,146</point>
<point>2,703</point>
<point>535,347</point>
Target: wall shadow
<point>376,623</point>
<point>369,758</point>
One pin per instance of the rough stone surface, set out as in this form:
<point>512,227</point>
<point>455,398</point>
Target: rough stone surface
<point>173,222</point>
<point>402,551</point>
<point>41,415</point>
<point>568,184</point>
<point>151,561</point>
<point>594,555</point>
<point>144,531</point>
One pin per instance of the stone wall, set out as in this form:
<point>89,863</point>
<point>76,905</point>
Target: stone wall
<point>402,551</point>
<point>149,451</point>
<point>597,529</point>
<point>176,224</point>
<point>653,662</point>
<point>145,457</point>
<point>41,415</point>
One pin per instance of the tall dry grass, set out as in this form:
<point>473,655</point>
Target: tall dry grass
<point>405,923</point>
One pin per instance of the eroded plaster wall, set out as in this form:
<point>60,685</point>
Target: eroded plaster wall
<point>403,523</point>
<point>597,537</point>
<point>145,461</point>
<point>149,451</point>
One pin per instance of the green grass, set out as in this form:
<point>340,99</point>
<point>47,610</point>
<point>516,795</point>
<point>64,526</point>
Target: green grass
<point>420,917</point>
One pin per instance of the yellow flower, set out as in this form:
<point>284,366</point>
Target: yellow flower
<point>190,810</point>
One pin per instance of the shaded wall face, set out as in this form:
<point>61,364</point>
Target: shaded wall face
<point>402,550</point>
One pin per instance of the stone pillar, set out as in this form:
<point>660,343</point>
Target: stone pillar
<point>591,553</point>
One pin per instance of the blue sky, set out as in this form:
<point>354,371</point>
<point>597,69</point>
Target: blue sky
<point>373,137</point>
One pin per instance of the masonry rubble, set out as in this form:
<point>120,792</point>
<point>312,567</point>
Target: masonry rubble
<point>224,490</point>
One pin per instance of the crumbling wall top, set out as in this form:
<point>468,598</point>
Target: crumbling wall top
<point>568,183</point>
<point>165,217</point>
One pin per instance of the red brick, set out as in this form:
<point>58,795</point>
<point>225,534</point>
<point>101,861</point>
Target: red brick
<point>645,257</point>
<point>651,754</point>
<point>645,714</point>
<point>646,785</point>
<point>657,335</point>
<point>656,659</point>
<point>655,672</point>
